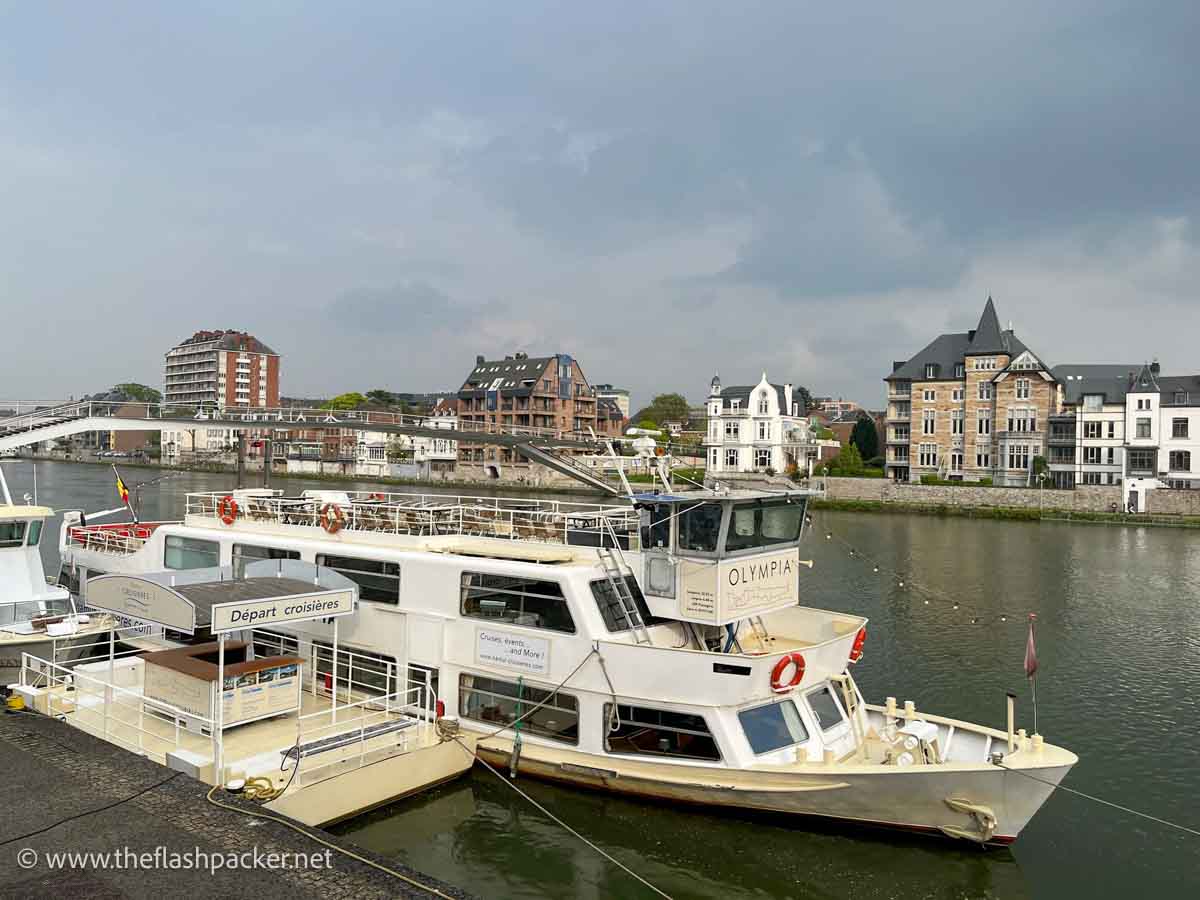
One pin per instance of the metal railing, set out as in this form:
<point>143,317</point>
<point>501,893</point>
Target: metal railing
<point>549,521</point>
<point>119,539</point>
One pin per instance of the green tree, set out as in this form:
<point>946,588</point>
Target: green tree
<point>848,461</point>
<point>865,437</point>
<point>648,423</point>
<point>806,397</point>
<point>139,392</point>
<point>379,395</point>
<point>1038,465</point>
<point>665,408</point>
<point>352,400</point>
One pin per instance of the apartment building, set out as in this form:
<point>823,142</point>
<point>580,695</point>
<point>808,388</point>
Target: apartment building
<point>520,391</point>
<point>970,405</point>
<point>1085,443</point>
<point>753,428</point>
<point>618,396</point>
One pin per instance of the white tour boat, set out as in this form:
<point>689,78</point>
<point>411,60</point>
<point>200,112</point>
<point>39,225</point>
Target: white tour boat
<point>654,647</point>
<point>35,616</point>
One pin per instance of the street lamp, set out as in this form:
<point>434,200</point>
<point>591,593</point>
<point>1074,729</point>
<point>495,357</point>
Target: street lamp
<point>1041,480</point>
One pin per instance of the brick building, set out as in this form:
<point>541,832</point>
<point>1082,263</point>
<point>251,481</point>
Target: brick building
<point>519,391</point>
<point>968,406</point>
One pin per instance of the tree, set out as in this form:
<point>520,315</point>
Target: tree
<point>805,397</point>
<point>379,395</point>
<point>139,392</point>
<point>865,437</point>
<point>847,462</point>
<point>665,408</point>
<point>352,400</point>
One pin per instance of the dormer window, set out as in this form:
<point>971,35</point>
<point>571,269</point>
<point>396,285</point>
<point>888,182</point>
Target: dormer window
<point>1181,397</point>
<point>735,405</point>
<point>762,403</point>
<point>960,370</point>
<point>931,370</point>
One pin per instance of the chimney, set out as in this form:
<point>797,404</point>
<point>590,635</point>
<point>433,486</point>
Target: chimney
<point>521,354</point>
<point>1154,367</point>
<point>479,360</point>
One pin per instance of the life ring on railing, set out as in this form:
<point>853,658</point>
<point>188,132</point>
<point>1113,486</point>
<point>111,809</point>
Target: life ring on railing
<point>796,661</point>
<point>227,509</point>
<point>332,518</point>
<point>378,496</point>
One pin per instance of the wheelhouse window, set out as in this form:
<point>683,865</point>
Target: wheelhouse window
<point>699,528</point>
<point>246,554</point>
<point>501,702</point>
<point>826,708</point>
<point>764,523</point>
<point>377,581</point>
<point>12,534</point>
<point>35,532</point>
<point>658,732</point>
<point>773,727</point>
<point>515,600</point>
<point>190,553</point>
<point>611,610</point>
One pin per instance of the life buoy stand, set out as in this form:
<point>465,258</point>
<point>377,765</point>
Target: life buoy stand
<point>227,509</point>
<point>332,518</point>
<point>796,661</point>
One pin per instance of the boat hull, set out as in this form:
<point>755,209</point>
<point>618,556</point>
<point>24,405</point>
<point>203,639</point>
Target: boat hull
<point>912,799</point>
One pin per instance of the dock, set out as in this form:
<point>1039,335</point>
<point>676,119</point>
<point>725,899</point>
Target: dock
<point>71,792</point>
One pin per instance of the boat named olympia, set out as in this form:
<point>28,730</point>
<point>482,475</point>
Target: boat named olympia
<point>655,647</point>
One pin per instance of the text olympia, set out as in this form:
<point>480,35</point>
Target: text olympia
<point>309,606</point>
<point>751,572</point>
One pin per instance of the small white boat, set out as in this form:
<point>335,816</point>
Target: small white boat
<point>654,648</point>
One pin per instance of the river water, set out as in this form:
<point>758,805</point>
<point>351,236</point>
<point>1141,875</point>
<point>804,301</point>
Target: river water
<point>1119,648</point>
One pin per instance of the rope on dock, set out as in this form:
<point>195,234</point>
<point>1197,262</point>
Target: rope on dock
<point>325,843</point>
<point>552,817</point>
<point>1125,809</point>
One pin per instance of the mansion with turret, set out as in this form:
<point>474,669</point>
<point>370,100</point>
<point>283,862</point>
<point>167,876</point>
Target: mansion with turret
<point>759,428</point>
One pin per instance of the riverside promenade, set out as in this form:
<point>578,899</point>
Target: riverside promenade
<point>153,833</point>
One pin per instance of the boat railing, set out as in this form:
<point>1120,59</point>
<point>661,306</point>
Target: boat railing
<point>546,521</point>
<point>72,651</point>
<point>119,539</point>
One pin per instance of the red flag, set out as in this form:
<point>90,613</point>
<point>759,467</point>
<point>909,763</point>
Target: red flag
<point>1031,663</point>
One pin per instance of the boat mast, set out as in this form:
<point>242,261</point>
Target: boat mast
<point>4,485</point>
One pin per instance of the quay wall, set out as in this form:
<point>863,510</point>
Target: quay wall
<point>1098,499</point>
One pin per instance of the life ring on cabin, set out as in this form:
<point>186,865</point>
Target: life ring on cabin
<point>857,650</point>
<point>378,496</point>
<point>796,661</point>
<point>332,518</point>
<point>227,509</point>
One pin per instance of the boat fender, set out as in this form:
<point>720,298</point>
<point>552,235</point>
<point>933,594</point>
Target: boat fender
<point>856,651</point>
<point>332,518</point>
<point>796,661</point>
<point>227,509</point>
<point>378,496</point>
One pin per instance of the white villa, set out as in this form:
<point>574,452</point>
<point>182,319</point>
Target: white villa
<point>756,428</point>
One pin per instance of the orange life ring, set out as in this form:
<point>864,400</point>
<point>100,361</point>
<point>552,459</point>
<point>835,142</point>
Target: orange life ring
<point>227,509</point>
<point>378,496</point>
<point>332,518</point>
<point>857,650</point>
<point>778,685</point>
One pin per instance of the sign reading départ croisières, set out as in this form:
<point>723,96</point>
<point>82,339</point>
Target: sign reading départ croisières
<point>243,614</point>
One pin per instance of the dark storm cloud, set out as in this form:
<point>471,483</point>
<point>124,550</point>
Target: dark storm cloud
<point>760,184</point>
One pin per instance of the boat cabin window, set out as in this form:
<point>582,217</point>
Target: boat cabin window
<point>764,523</point>
<point>12,534</point>
<point>514,600</point>
<point>190,553</point>
<point>377,581</point>
<point>659,732</point>
<point>496,701</point>
<point>773,727</point>
<point>359,670</point>
<point>656,526</point>
<point>700,527</point>
<point>610,605</point>
<point>245,554</point>
<point>35,532</point>
<point>825,707</point>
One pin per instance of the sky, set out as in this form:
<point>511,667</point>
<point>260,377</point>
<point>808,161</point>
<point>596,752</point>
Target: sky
<point>381,191</point>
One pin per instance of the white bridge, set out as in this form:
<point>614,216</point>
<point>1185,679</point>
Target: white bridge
<point>65,419</point>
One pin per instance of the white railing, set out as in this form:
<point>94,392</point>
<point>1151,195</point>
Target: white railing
<point>547,521</point>
<point>120,539</point>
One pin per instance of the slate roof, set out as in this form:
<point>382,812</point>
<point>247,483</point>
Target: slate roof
<point>742,392</point>
<point>512,374</point>
<point>1110,380</point>
<point>1189,384</point>
<point>230,340</point>
<point>948,350</point>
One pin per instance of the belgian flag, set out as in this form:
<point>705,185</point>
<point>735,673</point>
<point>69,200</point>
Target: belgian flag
<point>123,492</point>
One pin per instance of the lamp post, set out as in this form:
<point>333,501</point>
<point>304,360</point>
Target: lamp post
<point>1041,479</point>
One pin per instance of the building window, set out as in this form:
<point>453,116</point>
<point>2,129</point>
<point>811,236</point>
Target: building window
<point>731,430</point>
<point>1091,455</point>
<point>931,370</point>
<point>764,431</point>
<point>1179,428</point>
<point>1092,478</point>
<point>956,421</point>
<point>190,553</point>
<point>928,421</point>
<point>515,600</point>
<point>1181,461</point>
<point>1093,402</point>
<point>245,554</point>
<point>983,459</point>
<point>956,461</point>
<point>1018,456</point>
<point>900,454</point>
<point>1022,420</point>
<point>642,731</point>
<point>735,405</point>
<point>377,581</point>
<point>762,403</point>
<point>1180,398</point>
<point>1022,388</point>
<point>927,455</point>
<point>500,702</point>
<point>983,422</point>
<point>1112,430</point>
<point>985,363</point>
<point>985,390</point>
<point>960,370</point>
<point>1141,460</point>
<point>773,727</point>
<point>1112,454</point>
<point>731,459</point>
<point>762,459</point>
<point>929,396</point>
<point>713,457</point>
<point>1091,429</point>
<point>1143,428</point>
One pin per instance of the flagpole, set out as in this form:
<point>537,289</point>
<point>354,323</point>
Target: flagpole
<point>1033,687</point>
<point>1031,667</point>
